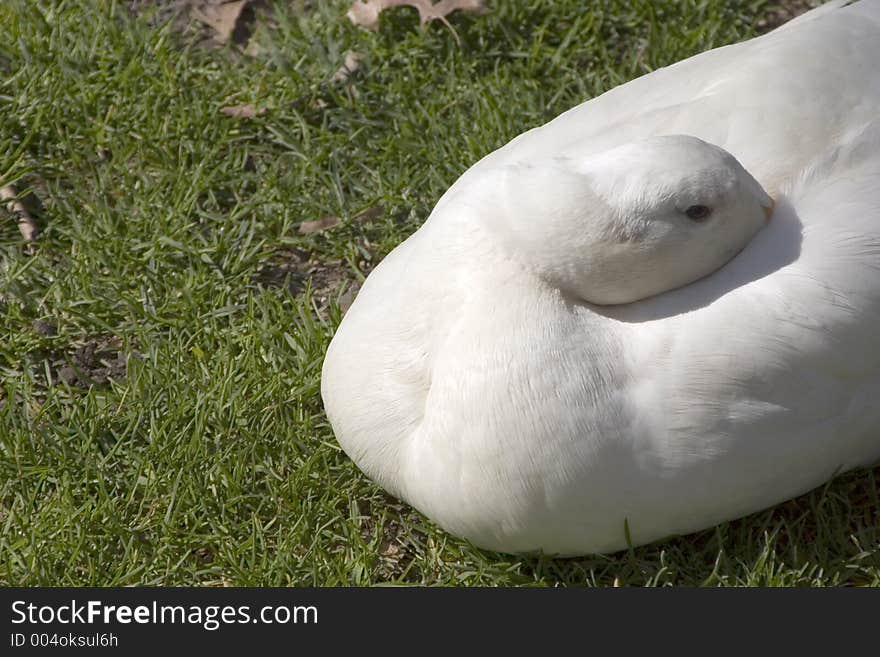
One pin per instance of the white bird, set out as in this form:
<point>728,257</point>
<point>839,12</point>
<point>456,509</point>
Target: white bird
<point>596,341</point>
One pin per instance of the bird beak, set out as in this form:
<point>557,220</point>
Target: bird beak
<point>768,210</point>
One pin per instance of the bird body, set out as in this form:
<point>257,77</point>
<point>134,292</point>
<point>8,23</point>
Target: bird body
<point>532,371</point>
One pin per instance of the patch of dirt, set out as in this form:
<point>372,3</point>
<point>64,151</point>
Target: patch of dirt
<point>87,361</point>
<point>781,12</point>
<point>92,360</point>
<point>96,361</point>
<point>395,553</point>
<point>296,270</point>
<point>396,550</point>
<point>45,329</point>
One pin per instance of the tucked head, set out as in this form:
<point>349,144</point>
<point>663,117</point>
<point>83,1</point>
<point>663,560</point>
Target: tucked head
<point>628,223</point>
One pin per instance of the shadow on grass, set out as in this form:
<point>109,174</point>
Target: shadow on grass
<point>830,534</point>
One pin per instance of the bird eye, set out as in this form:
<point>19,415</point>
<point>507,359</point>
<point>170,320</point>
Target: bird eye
<point>698,212</point>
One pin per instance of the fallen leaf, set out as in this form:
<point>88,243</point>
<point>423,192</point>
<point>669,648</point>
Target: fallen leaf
<point>370,213</point>
<point>218,21</point>
<point>26,224</point>
<point>351,64</point>
<point>246,111</point>
<point>366,12</point>
<point>389,550</point>
<point>319,224</point>
<point>227,20</point>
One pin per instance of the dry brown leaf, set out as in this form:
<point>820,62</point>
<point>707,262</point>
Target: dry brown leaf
<point>219,21</point>
<point>26,224</point>
<point>366,12</point>
<point>319,224</point>
<point>389,550</point>
<point>370,213</point>
<point>351,64</point>
<point>225,19</point>
<point>246,111</point>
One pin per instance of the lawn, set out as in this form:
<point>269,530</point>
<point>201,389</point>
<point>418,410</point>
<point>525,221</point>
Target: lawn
<point>161,342</point>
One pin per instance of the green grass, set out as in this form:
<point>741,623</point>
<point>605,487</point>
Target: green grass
<point>161,346</point>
